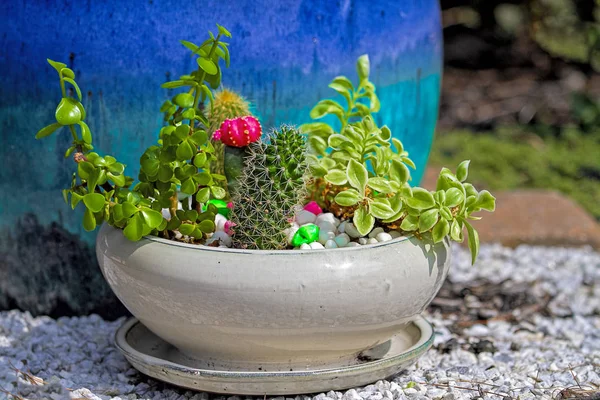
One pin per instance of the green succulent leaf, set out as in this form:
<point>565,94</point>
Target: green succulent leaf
<point>421,199</point>
<point>187,229</point>
<point>72,82</point>
<point>462,172</point>
<point>68,112</point>
<point>357,176</point>
<point>381,208</point>
<point>207,65</point>
<point>428,219</point>
<point>454,197</point>
<point>206,226</point>
<point>152,218</point>
<point>134,229</point>
<point>363,68</point>
<point>486,201</point>
<point>380,185</point>
<point>129,209</point>
<point>348,197</point>
<point>399,172</point>
<point>218,192</point>
<point>89,221</point>
<point>203,195</point>
<point>48,130</point>
<point>336,177</point>
<point>185,151</point>
<point>409,223</point>
<point>440,230</point>
<point>456,231</point>
<point>363,220</point>
<point>58,66</point>
<point>188,186</point>
<point>473,240</point>
<point>94,201</point>
<point>184,100</point>
<point>86,134</point>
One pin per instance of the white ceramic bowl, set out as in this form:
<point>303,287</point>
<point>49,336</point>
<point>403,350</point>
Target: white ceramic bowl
<point>272,310</point>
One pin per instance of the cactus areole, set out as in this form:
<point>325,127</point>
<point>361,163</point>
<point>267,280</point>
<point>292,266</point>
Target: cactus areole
<point>239,132</point>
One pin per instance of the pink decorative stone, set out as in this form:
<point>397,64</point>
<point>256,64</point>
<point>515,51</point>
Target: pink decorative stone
<point>228,227</point>
<point>239,132</point>
<point>313,207</point>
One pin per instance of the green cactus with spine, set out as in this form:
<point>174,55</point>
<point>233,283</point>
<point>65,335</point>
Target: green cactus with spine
<point>272,188</point>
<point>227,105</point>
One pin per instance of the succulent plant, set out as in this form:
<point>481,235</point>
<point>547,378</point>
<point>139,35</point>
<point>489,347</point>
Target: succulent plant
<point>272,187</point>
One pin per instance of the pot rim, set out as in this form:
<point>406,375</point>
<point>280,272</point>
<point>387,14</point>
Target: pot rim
<point>291,252</point>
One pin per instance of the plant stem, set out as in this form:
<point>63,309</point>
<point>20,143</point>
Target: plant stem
<point>62,85</point>
<point>72,129</point>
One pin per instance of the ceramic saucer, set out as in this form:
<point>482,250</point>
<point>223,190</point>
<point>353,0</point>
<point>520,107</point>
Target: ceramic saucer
<point>154,357</point>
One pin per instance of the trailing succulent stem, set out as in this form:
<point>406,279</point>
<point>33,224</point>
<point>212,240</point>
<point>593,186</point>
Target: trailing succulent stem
<point>272,188</point>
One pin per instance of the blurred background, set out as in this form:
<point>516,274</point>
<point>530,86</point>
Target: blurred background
<point>519,97</point>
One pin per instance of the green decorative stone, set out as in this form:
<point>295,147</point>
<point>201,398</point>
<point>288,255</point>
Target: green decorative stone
<point>221,206</point>
<point>306,234</point>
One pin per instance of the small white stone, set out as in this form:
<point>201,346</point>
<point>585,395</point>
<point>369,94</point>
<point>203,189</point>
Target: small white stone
<point>327,227</point>
<point>221,237</point>
<point>372,241</point>
<point>362,240</point>
<point>305,217</point>
<point>291,231</point>
<point>220,222</point>
<point>352,231</point>
<point>166,213</point>
<point>342,227</point>
<point>316,246</point>
<point>304,246</point>
<point>178,235</point>
<point>375,232</point>
<point>342,239</point>
<point>324,236</point>
<point>383,237</point>
<point>395,234</point>
<point>327,217</point>
<point>352,244</point>
<point>330,244</point>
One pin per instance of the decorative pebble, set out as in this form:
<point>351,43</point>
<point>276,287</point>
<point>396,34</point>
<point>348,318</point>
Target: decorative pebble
<point>372,241</point>
<point>327,217</point>
<point>305,217</point>
<point>291,232</point>
<point>220,222</point>
<point>313,207</point>
<point>316,246</point>
<point>383,237</point>
<point>352,231</point>
<point>223,207</point>
<point>342,227</point>
<point>304,246</point>
<point>330,244</point>
<point>342,239</point>
<point>305,234</point>
<point>166,213</point>
<point>362,241</point>
<point>221,237</point>
<point>353,244</point>
<point>324,236</point>
<point>395,234</point>
<point>327,226</point>
<point>375,232</point>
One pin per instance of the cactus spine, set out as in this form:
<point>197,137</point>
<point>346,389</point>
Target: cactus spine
<point>272,188</point>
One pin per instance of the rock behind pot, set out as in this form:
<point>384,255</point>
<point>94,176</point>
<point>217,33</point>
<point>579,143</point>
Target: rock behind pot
<point>272,310</point>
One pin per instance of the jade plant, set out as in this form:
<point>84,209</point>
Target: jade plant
<point>213,179</point>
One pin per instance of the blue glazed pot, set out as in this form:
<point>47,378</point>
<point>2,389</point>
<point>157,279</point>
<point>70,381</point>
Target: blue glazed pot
<point>284,53</point>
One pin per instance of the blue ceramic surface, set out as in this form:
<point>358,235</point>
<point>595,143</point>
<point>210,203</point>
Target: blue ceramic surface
<point>284,53</point>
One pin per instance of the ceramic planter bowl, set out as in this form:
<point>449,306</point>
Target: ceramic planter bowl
<point>272,310</point>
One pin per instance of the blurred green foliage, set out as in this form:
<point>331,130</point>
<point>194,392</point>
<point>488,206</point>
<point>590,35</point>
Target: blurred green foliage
<point>510,158</point>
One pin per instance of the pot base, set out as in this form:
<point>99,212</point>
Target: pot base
<point>156,358</point>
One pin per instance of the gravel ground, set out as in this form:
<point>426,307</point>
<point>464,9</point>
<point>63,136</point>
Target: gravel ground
<point>523,323</point>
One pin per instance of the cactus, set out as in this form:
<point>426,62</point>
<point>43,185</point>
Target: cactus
<point>236,134</point>
<point>272,188</point>
<point>227,105</point>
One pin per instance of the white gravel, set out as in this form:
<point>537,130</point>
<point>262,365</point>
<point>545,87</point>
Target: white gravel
<point>534,358</point>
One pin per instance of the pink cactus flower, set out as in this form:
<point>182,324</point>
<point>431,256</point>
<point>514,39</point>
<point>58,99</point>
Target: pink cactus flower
<point>227,228</point>
<point>239,132</point>
<point>313,207</point>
